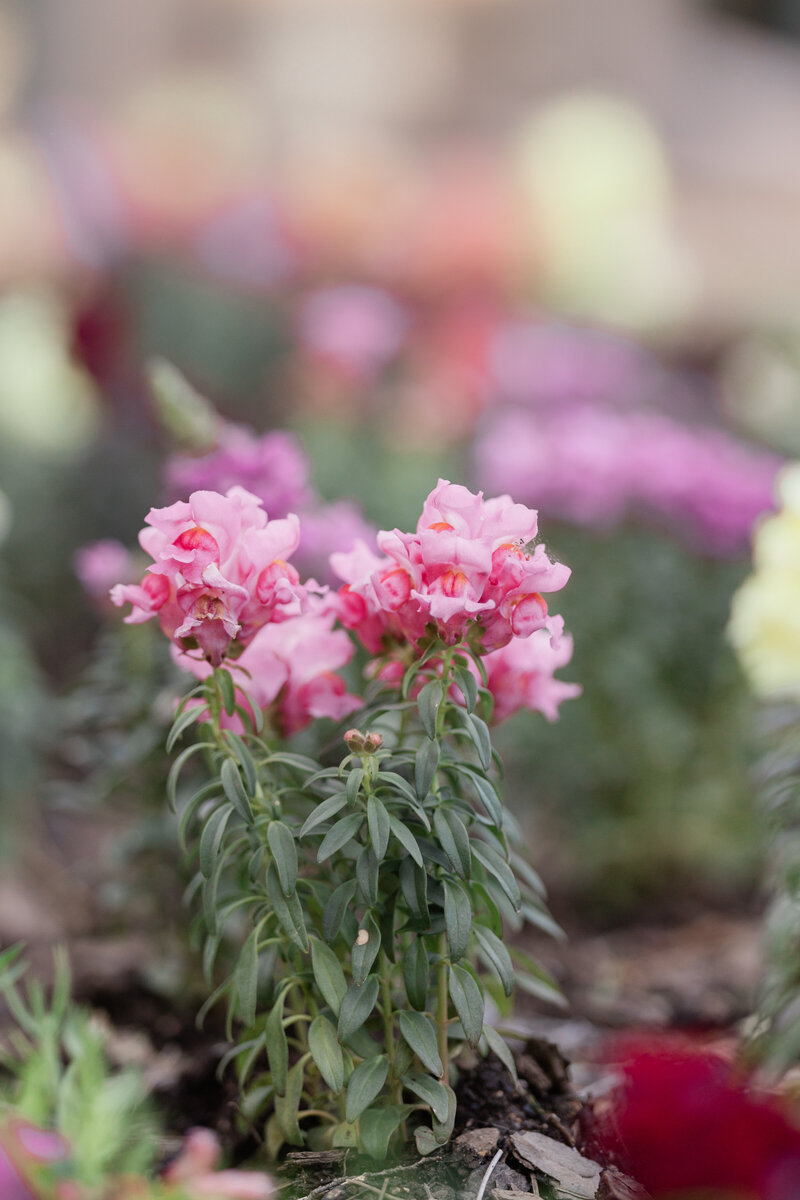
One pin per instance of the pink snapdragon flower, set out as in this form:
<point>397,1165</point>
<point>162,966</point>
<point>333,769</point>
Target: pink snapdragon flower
<point>466,572</point>
<point>521,674</point>
<point>26,1152</point>
<point>291,671</point>
<point>220,571</point>
<point>194,1173</point>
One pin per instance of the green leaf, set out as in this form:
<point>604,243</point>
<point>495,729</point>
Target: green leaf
<point>284,851</point>
<point>328,974</point>
<point>277,1046</point>
<point>499,869</point>
<point>234,789</point>
<point>467,685</point>
<point>364,1085</point>
<point>227,689</point>
<point>452,834</point>
<point>181,723</point>
<point>541,988</point>
<point>245,761</point>
<point>498,1045</point>
<point>287,909</point>
<point>211,838</point>
<point>431,1091</point>
<point>416,973</point>
<point>339,835</point>
<point>479,732</point>
<point>376,1126</point>
<point>345,1137</point>
<point>328,808</point>
<point>367,876</point>
<point>420,1032</point>
<point>379,827</point>
<point>425,765</point>
<point>399,785</point>
<point>406,839</point>
<point>414,886</point>
<point>536,914</point>
<point>457,917</point>
<point>326,1052</point>
<point>353,785</point>
<point>177,767</point>
<point>288,1105</point>
<point>428,704</point>
<point>485,791</point>
<point>495,955</point>
<point>363,954</point>
<point>333,913</point>
<point>442,1130</point>
<point>426,1142</point>
<point>245,979</point>
<point>357,1006</point>
<point>206,792</point>
<point>468,999</point>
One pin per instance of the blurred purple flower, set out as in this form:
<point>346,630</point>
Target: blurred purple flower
<point>272,466</point>
<point>593,465</point>
<point>355,328</point>
<point>328,529</point>
<point>99,565</point>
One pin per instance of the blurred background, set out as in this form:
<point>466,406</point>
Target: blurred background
<point>541,247</point>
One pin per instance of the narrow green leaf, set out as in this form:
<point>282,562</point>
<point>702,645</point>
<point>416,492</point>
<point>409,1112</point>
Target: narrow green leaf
<point>335,909</point>
<point>328,974</point>
<point>288,1105</point>
<point>191,806</point>
<point>339,835</point>
<point>245,979</point>
<point>541,989</point>
<point>287,909</point>
<point>466,995</point>
<point>211,838</point>
<point>431,1091</point>
<point>495,955</point>
<point>188,717</point>
<point>443,1130</point>
<point>457,917</point>
<point>498,1045</point>
<point>425,765</point>
<point>379,827</point>
<point>376,1126</point>
<point>326,1052</point>
<point>467,685</point>
<point>367,876</point>
<point>416,973</point>
<point>323,812</point>
<point>536,914</point>
<point>481,739</point>
<point>365,950</point>
<point>177,767</point>
<point>420,1032</point>
<point>414,886</point>
<point>357,1005</point>
<point>428,703</point>
<point>364,1085</point>
<point>406,839</point>
<point>452,834</point>
<point>499,869</point>
<point>399,785</point>
<point>277,1046</point>
<point>227,689</point>
<point>353,785</point>
<point>234,789</point>
<point>245,761</point>
<point>284,851</point>
<point>425,1141</point>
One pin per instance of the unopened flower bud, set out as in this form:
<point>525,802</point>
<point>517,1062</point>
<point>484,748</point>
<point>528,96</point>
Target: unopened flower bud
<point>354,740</point>
<point>372,742</point>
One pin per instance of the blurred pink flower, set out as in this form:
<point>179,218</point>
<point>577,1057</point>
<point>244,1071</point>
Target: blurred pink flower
<point>326,530</point>
<point>219,572</point>
<point>24,1151</point>
<point>99,565</point>
<point>355,329</point>
<point>593,465</point>
<point>195,1172</point>
<point>467,571</point>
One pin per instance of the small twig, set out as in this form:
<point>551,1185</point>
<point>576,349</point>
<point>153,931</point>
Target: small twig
<point>343,1179</point>
<point>485,1180</point>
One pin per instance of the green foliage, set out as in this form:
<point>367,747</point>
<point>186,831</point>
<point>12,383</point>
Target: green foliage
<point>59,1077</point>
<point>363,905</point>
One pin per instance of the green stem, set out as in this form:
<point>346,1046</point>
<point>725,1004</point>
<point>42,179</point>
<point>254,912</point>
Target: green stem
<point>443,1006</point>
<point>388,1025</point>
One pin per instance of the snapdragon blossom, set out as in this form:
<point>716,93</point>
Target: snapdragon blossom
<point>220,571</point>
<point>469,571</point>
<point>521,675</point>
<point>289,671</point>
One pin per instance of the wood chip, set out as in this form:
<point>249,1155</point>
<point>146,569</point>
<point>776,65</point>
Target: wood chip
<point>574,1175</point>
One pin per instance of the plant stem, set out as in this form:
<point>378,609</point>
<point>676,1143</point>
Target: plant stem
<point>442,1008</point>
<point>388,1025</point>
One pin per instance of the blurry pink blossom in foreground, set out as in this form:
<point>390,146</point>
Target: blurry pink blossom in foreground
<point>220,571</point>
<point>593,465</point>
<point>195,1172</point>
<point>99,565</point>
<point>467,571</point>
<point>291,671</point>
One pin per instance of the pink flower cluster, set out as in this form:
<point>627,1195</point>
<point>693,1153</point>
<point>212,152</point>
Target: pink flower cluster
<point>219,573</point>
<point>289,671</point>
<point>467,572</point>
<point>594,464</point>
<point>521,674</point>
